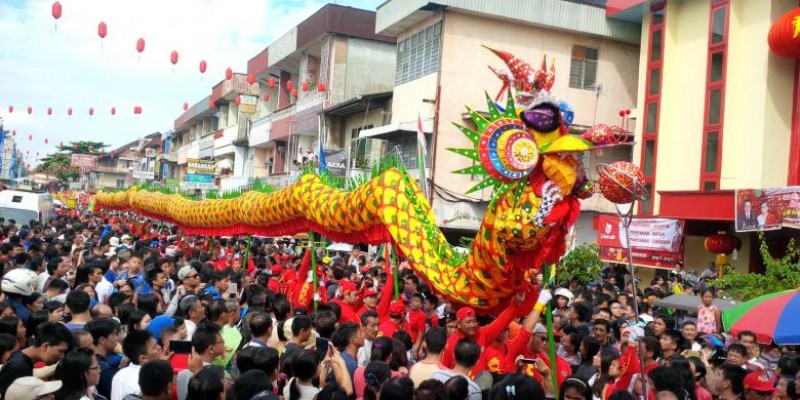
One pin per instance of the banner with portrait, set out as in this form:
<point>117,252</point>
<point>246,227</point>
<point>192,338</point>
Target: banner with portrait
<point>767,209</point>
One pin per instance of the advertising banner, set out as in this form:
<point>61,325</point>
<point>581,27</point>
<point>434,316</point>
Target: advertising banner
<point>143,175</point>
<point>247,104</point>
<point>655,242</point>
<point>767,209</point>
<point>195,166</point>
<point>336,162</point>
<point>199,178</point>
<point>83,161</point>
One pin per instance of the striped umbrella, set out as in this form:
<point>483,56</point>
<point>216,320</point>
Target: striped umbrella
<point>772,317</point>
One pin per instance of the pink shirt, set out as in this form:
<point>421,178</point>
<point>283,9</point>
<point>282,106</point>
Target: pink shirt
<point>360,382</point>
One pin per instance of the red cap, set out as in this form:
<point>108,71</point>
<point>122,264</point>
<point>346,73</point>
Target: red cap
<point>465,312</point>
<point>370,292</point>
<point>759,382</point>
<point>365,269</point>
<point>348,286</point>
<point>397,309</point>
<point>276,269</point>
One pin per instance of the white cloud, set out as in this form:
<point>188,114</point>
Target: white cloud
<point>43,67</point>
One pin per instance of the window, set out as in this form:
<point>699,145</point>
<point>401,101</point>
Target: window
<point>716,66</point>
<point>583,68</point>
<point>405,148</point>
<point>651,117</point>
<point>120,183</point>
<point>655,82</point>
<point>649,155</point>
<point>712,149</point>
<point>360,149</point>
<point>655,46</point>
<point>418,55</point>
<point>718,25</point>
<point>709,186</point>
<point>647,205</point>
<point>714,106</point>
<point>652,99</point>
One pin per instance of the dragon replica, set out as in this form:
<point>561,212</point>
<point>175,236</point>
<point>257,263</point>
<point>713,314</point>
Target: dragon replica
<point>521,148</point>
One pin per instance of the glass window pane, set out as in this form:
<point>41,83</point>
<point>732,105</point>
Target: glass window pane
<point>709,186</point>
<point>716,66</point>
<point>714,106</point>
<point>718,25</point>
<point>655,45</point>
<point>649,155</point>
<point>655,81</point>
<point>658,16</point>
<point>651,118</point>
<point>647,205</point>
<point>591,54</point>
<point>712,151</point>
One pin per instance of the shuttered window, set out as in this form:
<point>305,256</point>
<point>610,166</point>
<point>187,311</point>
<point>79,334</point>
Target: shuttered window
<point>418,55</point>
<point>583,68</point>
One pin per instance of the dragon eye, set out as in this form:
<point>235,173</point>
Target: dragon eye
<point>543,118</point>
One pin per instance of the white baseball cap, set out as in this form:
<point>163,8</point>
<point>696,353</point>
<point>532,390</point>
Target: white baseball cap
<point>29,388</point>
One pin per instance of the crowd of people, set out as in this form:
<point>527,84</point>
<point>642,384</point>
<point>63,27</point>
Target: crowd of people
<point>110,306</point>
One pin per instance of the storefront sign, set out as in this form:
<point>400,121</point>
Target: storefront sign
<point>642,258</point>
<point>247,104</point>
<point>197,185</point>
<point>655,242</point>
<point>658,234</point>
<point>767,209</point>
<point>195,166</point>
<point>199,178</point>
<point>83,161</point>
<point>336,162</point>
<point>143,174</point>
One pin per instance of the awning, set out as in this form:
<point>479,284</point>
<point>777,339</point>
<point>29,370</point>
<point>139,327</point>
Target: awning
<point>359,104</point>
<point>173,158</point>
<point>386,131</point>
<point>718,205</point>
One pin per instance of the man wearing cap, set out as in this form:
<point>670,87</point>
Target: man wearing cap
<point>189,282</point>
<point>127,241</point>
<point>370,302</point>
<point>758,386</point>
<point>530,343</point>
<point>347,300</point>
<point>394,321</point>
<point>467,326</point>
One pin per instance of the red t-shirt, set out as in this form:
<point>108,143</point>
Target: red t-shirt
<point>348,314</point>
<point>388,328</point>
<point>417,323</point>
<point>520,348</point>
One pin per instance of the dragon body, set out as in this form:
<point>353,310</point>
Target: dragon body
<point>526,157</point>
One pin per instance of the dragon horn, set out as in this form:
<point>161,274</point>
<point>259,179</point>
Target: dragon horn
<point>544,63</point>
<point>553,65</point>
<point>504,55</point>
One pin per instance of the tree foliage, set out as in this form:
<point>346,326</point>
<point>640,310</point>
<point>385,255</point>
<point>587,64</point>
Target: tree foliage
<point>83,147</point>
<point>781,274</point>
<point>581,264</point>
<point>60,164</point>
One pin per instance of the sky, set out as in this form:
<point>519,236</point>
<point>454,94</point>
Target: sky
<point>63,63</point>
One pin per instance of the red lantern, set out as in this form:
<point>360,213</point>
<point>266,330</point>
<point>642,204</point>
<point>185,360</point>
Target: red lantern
<point>289,85</point>
<point>14,133</point>
<point>294,93</point>
<point>266,96</point>
<point>49,111</point>
<point>321,87</point>
<point>173,57</point>
<point>10,109</point>
<point>30,110</point>
<point>56,10</point>
<point>102,30</point>
<point>620,181</point>
<point>783,38</point>
<point>69,111</point>
<point>621,113</point>
<point>271,83</point>
<point>140,45</point>
<point>228,73</point>
<point>628,111</point>
<point>238,100</point>
<point>185,106</point>
<point>722,243</point>
<point>203,66</point>
<point>211,104</point>
<point>113,111</point>
<point>251,79</point>
<point>30,138</point>
<point>305,86</point>
<point>91,111</point>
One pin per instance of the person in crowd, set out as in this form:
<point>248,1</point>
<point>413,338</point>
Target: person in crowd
<point>432,346</point>
<point>78,306</point>
<point>79,373</point>
<point>51,341</point>
<point>105,334</point>
<point>207,384</point>
<point>139,347</point>
<point>709,318</point>
<point>32,388</point>
<point>466,354</point>
<point>155,381</point>
<point>207,345</point>
<point>729,382</point>
<point>369,327</point>
<point>260,330</point>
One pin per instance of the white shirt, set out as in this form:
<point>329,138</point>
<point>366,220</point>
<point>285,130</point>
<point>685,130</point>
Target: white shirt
<point>365,353</point>
<point>126,382</point>
<point>104,288</point>
<point>191,327</point>
<point>40,280</point>
<point>306,392</point>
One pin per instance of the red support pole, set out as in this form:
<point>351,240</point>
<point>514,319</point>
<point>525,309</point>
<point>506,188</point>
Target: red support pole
<point>794,146</point>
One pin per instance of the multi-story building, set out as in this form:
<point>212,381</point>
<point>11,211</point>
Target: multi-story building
<point>132,163</point>
<point>716,115</point>
<point>442,66</point>
<point>327,77</point>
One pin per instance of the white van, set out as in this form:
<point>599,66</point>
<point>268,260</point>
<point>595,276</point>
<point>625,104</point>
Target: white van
<point>23,206</point>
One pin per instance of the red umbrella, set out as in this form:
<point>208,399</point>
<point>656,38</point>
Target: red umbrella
<point>772,317</point>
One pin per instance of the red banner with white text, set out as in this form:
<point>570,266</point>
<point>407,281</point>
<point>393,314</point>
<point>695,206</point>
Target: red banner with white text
<point>655,242</point>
